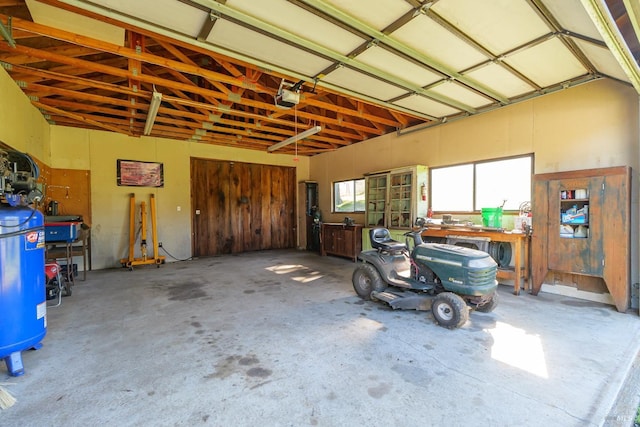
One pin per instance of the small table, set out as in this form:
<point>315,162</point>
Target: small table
<point>67,250</point>
<point>520,243</point>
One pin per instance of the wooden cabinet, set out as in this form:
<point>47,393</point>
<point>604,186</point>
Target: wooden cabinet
<point>397,197</point>
<point>341,240</point>
<point>581,225</point>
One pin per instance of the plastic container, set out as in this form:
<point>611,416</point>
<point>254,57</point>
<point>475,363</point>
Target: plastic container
<point>23,306</point>
<point>61,231</point>
<point>492,217</point>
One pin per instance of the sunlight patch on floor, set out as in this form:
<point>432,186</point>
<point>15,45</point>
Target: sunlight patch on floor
<point>307,276</point>
<point>366,327</point>
<point>516,348</point>
<point>286,268</point>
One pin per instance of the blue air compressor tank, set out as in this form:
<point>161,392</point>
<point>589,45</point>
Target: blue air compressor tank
<point>23,307</point>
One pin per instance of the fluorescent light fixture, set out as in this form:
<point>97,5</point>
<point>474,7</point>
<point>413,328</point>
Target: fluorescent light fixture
<point>295,138</point>
<point>156,98</point>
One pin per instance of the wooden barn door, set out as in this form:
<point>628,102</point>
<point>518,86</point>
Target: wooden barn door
<point>241,207</point>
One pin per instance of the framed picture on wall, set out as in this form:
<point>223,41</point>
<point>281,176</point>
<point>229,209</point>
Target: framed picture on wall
<point>133,173</point>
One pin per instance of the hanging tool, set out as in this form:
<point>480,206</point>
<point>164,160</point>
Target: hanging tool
<point>130,261</point>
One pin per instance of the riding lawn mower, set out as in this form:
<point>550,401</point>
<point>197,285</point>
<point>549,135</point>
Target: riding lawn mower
<point>447,279</point>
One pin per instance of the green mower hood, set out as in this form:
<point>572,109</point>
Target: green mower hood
<point>461,270</point>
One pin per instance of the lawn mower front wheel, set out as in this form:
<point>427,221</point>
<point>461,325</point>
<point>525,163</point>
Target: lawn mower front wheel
<point>450,310</point>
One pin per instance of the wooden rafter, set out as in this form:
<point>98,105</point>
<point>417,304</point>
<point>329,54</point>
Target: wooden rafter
<point>79,81</point>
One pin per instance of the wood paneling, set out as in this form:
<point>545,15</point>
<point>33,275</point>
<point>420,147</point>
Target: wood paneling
<point>242,207</point>
<point>71,188</point>
<point>580,282</point>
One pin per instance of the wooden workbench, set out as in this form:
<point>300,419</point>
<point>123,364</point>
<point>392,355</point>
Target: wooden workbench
<point>519,241</point>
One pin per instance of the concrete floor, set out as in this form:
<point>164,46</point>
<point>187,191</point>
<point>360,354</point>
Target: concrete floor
<point>280,339</point>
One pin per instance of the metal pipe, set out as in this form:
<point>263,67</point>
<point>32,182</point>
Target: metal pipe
<point>6,33</point>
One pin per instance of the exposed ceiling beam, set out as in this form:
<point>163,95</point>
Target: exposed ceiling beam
<point>133,54</point>
<point>80,118</point>
<point>190,87</point>
<point>344,60</point>
<point>389,41</point>
<point>600,16</point>
<point>157,60</point>
<point>109,15</point>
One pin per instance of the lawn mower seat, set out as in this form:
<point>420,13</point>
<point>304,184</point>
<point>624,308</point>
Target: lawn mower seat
<point>382,241</point>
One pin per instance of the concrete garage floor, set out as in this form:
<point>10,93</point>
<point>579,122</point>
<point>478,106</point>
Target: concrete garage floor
<point>279,338</point>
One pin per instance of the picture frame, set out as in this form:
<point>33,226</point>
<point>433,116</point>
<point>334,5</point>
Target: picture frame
<point>135,173</point>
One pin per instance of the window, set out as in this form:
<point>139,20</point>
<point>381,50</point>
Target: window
<point>452,188</point>
<point>473,186</point>
<point>348,196</point>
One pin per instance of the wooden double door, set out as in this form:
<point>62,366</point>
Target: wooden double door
<point>240,207</point>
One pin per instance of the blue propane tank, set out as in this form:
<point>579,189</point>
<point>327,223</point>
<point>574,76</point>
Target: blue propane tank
<point>23,305</point>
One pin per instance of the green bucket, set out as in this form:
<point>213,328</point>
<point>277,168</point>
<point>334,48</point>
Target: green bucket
<point>492,217</point>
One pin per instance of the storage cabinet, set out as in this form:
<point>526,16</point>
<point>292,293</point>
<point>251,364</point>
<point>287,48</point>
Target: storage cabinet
<point>341,240</point>
<point>397,197</point>
<point>581,223</point>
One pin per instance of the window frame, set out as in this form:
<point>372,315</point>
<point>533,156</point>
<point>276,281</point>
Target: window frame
<point>474,183</point>
<point>333,196</point>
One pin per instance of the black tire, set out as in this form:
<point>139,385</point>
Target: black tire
<point>501,253</point>
<point>366,279</point>
<point>450,310</point>
<point>489,306</point>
